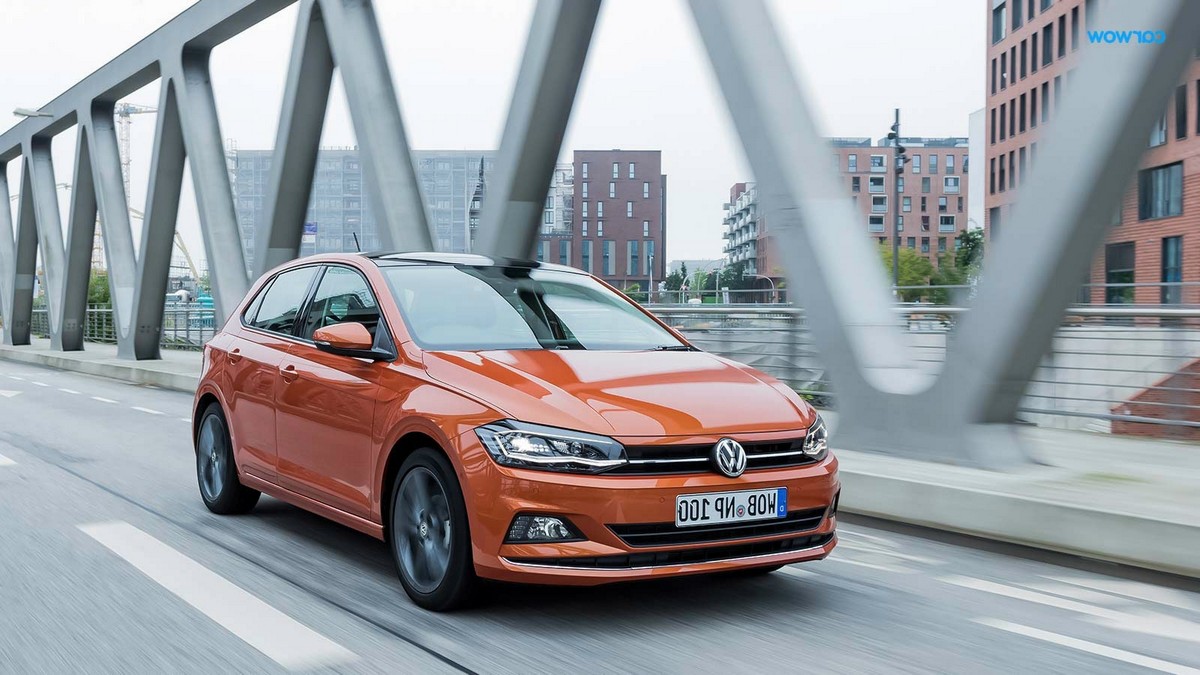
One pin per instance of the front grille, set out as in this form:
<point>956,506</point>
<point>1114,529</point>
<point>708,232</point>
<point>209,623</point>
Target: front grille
<point>645,460</point>
<point>666,534</point>
<point>684,557</point>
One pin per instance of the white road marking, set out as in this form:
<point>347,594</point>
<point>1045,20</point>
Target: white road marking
<point>868,548</point>
<point>882,568</point>
<point>799,574</point>
<point>1091,647</point>
<point>8,393</point>
<point>15,377</point>
<point>149,411</point>
<point>102,399</point>
<point>1139,621</point>
<point>185,419</point>
<point>280,637</point>
<point>39,384</point>
<point>1134,589</point>
<point>855,533</point>
<point>67,391</point>
<point>4,461</point>
<point>1076,593</point>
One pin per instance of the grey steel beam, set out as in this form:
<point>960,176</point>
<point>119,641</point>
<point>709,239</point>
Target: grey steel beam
<point>48,222</point>
<point>210,179</point>
<point>388,171</point>
<point>81,231</point>
<point>25,263</point>
<point>113,206</point>
<point>8,256</point>
<point>297,141</point>
<point>541,105</point>
<point>1084,166</point>
<point>158,229</point>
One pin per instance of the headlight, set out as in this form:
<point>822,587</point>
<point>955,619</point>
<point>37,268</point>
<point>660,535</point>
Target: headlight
<point>816,441</point>
<point>533,446</point>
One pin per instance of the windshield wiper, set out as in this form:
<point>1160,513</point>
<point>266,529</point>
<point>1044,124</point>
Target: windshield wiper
<point>675,348</point>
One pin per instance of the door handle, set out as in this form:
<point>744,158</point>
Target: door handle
<point>288,373</point>
<point>235,356</point>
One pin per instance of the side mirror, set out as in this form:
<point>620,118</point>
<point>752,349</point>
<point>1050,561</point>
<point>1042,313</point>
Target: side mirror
<point>349,339</point>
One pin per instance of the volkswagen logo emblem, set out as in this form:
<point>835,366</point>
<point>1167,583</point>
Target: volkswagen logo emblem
<point>729,457</point>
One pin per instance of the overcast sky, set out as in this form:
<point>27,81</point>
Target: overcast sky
<point>647,84</point>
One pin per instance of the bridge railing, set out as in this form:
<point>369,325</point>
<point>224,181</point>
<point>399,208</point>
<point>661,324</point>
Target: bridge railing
<point>186,327</point>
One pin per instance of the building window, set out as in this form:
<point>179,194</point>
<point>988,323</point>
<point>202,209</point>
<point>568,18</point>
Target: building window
<point>645,228</point>
<point>1024,58</point>
<point>916,164</point>
<point>1074,28</point>
<point>1003,71</point>
<point>1158,133</point>
<point>1160,192</point>
<point>992,177</point>
<point>960,204</point>
<point>899,183</point>
<point>1181,98</point>
<point>1089,13</point>
<point>951,184</point>
<point>900,224</point>
<point>875,184</point>
<point>541,250</point>
<point>612,189</point>
<point>1172,270</point>
<point>878,163</point>
<point>584,212</point>
<point>1017,15</point>
<point>584,230</point>
<point>564,251</point>
<point>1048,44</point>
<point>645,189</point>
<point>943,205</point>
<point>949,163</point>
<point>926,185</point>
<point>616,170</point>
<point>1045,101</point>
<point>1021,112</point>
<point>924,201</point>
<point>1062,36</point>
<point>1031,3</point>
<point>1033,53</point>
<point>966,165</point>
<point>1003,175</point>
<point>933,163</point>
<point>946,223</point>
<point>999,18</point>
<point>924,244</point>
<point>587,256</point>
<point>1021,164</point>
<point>879,204</point>
<point>1012,173</point>
<point>912,242</point>
<point>632,174</point>
<point>907,204</point>
<point>1046,4</point>
<point>1198,106</point>
<point>1033,120</point>
<point>547,217</point>
<point>993,76</point>
<point>993,222</point>
<point>855,184</point>
<point>1119,275</point>
<point>599,228</point>
<point>993,111</point>
<point>1012,117</point>
<point>599,209</point>
<point>584,170</point>
<point>628,209</point>
<point>875,223</point>
<point>650,257</point>
<point>585,190</point>
<point>852,163</point>
<point>633,257</point>
<point>609,266</point>
<point>1003,121</point>
<point>924,223</point>
<point>941,244</point>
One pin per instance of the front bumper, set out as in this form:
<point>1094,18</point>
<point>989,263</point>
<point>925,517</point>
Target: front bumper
<point>593,503</point>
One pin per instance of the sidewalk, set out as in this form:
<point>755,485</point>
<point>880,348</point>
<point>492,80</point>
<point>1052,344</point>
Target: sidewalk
<point>1126,500</point>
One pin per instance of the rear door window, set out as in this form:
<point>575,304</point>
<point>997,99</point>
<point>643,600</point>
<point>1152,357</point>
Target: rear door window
<point>281,301</point>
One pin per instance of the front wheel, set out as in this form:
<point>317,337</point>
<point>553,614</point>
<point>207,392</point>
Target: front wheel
<point>428,531</point>
<point>216,472</point>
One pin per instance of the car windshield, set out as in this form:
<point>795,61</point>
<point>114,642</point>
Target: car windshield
<point>467,308</point>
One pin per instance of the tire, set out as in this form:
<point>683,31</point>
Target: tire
<point>429,534</point>
<point>216,470</point>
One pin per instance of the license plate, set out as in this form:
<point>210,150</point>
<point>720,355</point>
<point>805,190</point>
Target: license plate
<point>730,507</point>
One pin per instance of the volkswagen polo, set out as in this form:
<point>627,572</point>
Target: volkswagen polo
<point>505,420</point>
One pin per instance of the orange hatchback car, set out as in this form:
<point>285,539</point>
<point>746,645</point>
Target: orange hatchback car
<point>505,420</point>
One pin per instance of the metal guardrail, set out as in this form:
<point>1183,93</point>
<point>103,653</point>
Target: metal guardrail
<point>186,327</point>
<point>1123,369</point>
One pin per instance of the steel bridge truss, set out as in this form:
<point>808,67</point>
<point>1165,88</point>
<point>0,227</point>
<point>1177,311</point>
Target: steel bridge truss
<point>961,413</point>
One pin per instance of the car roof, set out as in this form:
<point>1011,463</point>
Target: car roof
<point>389,259</point>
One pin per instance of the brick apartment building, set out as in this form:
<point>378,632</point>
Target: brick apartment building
<point>1034,47</point>
<point>932,197</point>
<point>618,230</point>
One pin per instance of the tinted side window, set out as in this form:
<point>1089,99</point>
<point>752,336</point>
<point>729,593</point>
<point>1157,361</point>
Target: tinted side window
<point>342,296</point>
<point>281,302</point>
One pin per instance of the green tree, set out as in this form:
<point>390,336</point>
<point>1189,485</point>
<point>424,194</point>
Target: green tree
<point>915,270</point>
<point>969,255</point>
<point>960,269</point>
<point>98,291</point>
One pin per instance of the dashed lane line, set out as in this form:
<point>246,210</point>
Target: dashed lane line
<point>4,461</point>
<point>102,399</point>
<point>38,384</point>
<point>148,411</point>
<point>1091,647</point>
<point>286,641</point>
<point>67,391</point>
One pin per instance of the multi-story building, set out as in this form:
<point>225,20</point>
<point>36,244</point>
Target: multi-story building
<point>1034,47</point>
<point>931,192</point>
<point>449,179</point>
<point>556,235</point>
<point>619,205</point>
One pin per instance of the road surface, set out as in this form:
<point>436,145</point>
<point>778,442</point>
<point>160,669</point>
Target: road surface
<point>109,562</point>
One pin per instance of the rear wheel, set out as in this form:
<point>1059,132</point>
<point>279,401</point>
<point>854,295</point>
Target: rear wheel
<point>430,540</point>
<point>216,471</point>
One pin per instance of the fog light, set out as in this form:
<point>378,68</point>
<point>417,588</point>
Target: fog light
<point>527,529</point>
<point>834,506</point>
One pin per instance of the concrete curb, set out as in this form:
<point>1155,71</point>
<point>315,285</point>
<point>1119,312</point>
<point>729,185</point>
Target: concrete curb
<point>125,371</point>
<point>1128,539</point>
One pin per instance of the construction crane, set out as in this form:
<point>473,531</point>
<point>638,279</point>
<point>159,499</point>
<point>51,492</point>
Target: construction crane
<point>178,244</point>
<point>123,111</point>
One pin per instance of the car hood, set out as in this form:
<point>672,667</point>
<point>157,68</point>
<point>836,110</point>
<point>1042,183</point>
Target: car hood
<point>626,393</point>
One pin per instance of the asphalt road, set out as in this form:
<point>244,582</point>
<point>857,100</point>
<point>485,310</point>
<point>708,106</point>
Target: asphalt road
<point>109,562</point>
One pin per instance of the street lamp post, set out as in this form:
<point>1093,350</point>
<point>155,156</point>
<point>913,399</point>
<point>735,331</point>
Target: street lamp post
<point>650,290</point>
<point>30,112</point>
<point>898,167</point>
